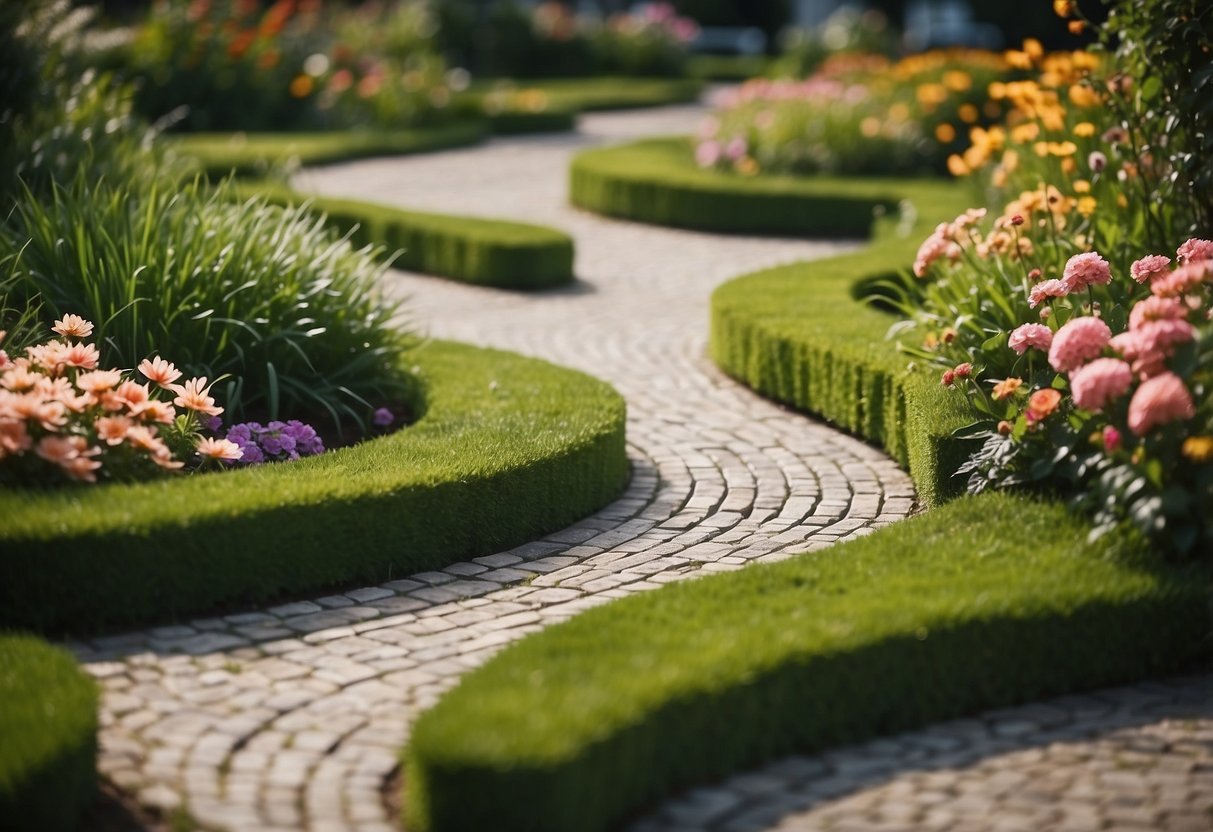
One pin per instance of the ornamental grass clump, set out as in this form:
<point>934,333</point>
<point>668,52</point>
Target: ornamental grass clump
<point>267,297</point>
<point>64,419</point>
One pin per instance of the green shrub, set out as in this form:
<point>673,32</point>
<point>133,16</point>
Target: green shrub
<point>263,294</point>
<point>48,737</point>
<point>505,450</point>
<point>507,255</point>
<point>984,603</point>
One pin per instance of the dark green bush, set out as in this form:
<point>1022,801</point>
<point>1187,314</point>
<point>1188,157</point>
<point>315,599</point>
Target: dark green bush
<point>48,737</point>
<point>984,603</point>
<point>506,449</point>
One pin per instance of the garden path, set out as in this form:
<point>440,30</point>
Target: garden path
<point>291,717</point>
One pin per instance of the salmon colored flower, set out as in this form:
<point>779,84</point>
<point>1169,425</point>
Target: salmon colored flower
<point>112,429</point>
<point>154,411</point>
<point>81,356</point>
<point>133,394</point>
<point>73,326</point>
<point>210,448</point>
<point>159,371</point>
<point>1006,388</point>
<point>19,379</point>
<point>193,396</point>
<point>1159,401</point>
<point>98,381</point>
<point>14,437</point>
<point>1042,403</point>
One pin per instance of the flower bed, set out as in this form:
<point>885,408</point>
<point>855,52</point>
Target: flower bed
<point>505,449</point>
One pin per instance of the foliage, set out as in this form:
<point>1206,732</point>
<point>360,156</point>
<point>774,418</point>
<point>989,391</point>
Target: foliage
<point>265,296</point>
<point>804,50</point>
<point>48,737</point>
<point>857,114</point>
<point>519,445</point>
<point>985,602</point>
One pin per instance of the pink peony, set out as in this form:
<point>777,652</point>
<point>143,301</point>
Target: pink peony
<point>1083,270</point>
<point>1151,344</point>
<point>1101,381</point>
<point>1150,267</point>
<point>1046,289</point>
<point>1036,336</point>
<point>1078,342</point>
<point>1156,309</point>
<point>1185,279</point>
<point>1194,250</point>
<point>1159,401</point>
<point>1111,439</point>
<point>932,248</point>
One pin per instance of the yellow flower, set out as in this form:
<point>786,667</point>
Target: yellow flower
<point>1063,8</point>
<point>1198,448</point>
<point>945,133</point>
<point>870,127</point>
<point>1033,48</point>
<point>957,81</point>
<point>1082,186</point>
<point>302,86</point>
<point>1062,148</point>
<point>957,166</point>
<point>747,166</point>
<point>1084,130</point>
<point>1083,96</point>
<point>967,113</point>
<point>1024,133</point>
<point>1086,205</point>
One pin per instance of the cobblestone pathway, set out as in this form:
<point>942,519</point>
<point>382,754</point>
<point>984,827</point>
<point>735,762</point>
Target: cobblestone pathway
<point>291,717</point>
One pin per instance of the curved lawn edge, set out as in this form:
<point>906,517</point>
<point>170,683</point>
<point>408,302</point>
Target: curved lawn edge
<point>986,602</point>
<point>657,181</point>
<point>256,154</point>
<point>594,94</point>
<point>507,449</point>
<point>486,252</point>
<point>48,736</point>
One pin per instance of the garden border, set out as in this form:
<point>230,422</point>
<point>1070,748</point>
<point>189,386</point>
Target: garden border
<point>520,445</point>
<point>686,684</point>
<point>48,736</point>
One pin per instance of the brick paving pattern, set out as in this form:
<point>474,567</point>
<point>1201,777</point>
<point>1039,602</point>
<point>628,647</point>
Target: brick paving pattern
<point>291,717</point>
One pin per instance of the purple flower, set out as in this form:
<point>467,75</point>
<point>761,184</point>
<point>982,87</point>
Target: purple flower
<point>212,423</point>
<point>382,417</point>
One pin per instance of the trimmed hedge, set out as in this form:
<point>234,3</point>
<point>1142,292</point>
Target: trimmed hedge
<point>48,737</point>
<point>580,95</point>
<point>987,602</point>
<point>256,154</point>
<point>657,181</point>
<point>506,255</point>
<point>506,449</point>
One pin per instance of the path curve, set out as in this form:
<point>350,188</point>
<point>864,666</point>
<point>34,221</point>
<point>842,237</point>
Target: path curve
<point>290,717</point>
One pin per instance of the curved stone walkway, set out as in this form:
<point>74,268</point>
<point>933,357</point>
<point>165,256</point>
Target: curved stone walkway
<point>291,717</point>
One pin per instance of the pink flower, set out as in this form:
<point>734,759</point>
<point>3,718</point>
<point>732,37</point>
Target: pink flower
<point>210,448</point>
<point>1087,269</point>
<point>193,395</point>
<point>1046,289</point>
<point>1159,401</point>
<point>1150,267</point>
<point>932,248</point>
<point>735,149</point>
<point>707,154</point>
<point>1035,336</point>
<point>1156,309</point>
<point>159,371</point>
<point>1101,381</point>
<point>14,437</point>
<point>1111,439</point>
<point>1194,250</point>
<point>1078,342</point>
<point>1187,278</point>
<point>948,378</point>
<point>73,326</point>
<point>1151,344</point>
<point>963,370</point>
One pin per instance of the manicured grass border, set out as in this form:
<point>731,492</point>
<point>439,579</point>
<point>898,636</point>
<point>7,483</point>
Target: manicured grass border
<point>595,94</point>
<point>257,154</point>
<point>656,181</point>
<point>986,602</point>
<point>48,737</point>
<point>506,255</point>
<point>506,449</point>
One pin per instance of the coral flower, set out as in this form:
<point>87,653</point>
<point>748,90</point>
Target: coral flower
<point>1076,343</point>
<point>154,411</point>
<point>133,394</point>
<point>59,449</point>
<point>193,396</point>
<point>1035,336</point>
<point>1046,289</point>
<point>73,326</point>
<point>1187,278</point>
<point>14,437</point>
<point>159,371</point>
<point>1150,267</point>
<point>112,429</point>
<point>932,248</point>
<point>210,448</point>
<point>1155,308</point>
<point>1041,404</point>
<point>1103,380</point>
<point>82,356</point>
<point>98,381</point>
<point>82,468</point>
<point>18,379</point>
<point>1006,388</point>
<point>1087,269</point>
<point>1159,401</point>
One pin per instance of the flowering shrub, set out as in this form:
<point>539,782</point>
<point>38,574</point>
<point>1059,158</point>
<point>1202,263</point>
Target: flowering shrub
<point>651,42</point>
<point>62,418</point>
<point>857,114</point>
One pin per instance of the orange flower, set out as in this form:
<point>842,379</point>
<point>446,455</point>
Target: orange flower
<point>1198,448</point>
<point>73,326</point>
<point>98,381</point>
<point>1042,403</point>
<point>154,411</point>
<point>112,429</point>
<point>82,356</point>
<point>209,448</point>
<point>1006,388</point>
<point>159,371</point>
<point>133,394</point>
<point>193,396</point>
<point>14,438</point>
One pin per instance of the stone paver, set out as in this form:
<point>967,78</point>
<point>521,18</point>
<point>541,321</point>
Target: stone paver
<point>291,717</point>
<point>1135,758</point>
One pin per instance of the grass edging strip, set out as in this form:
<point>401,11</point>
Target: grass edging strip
<point>487,252</point>
<point>48,736</point>
<point>986,602</point>
<point>505,450</point>
<point>257,154</point>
